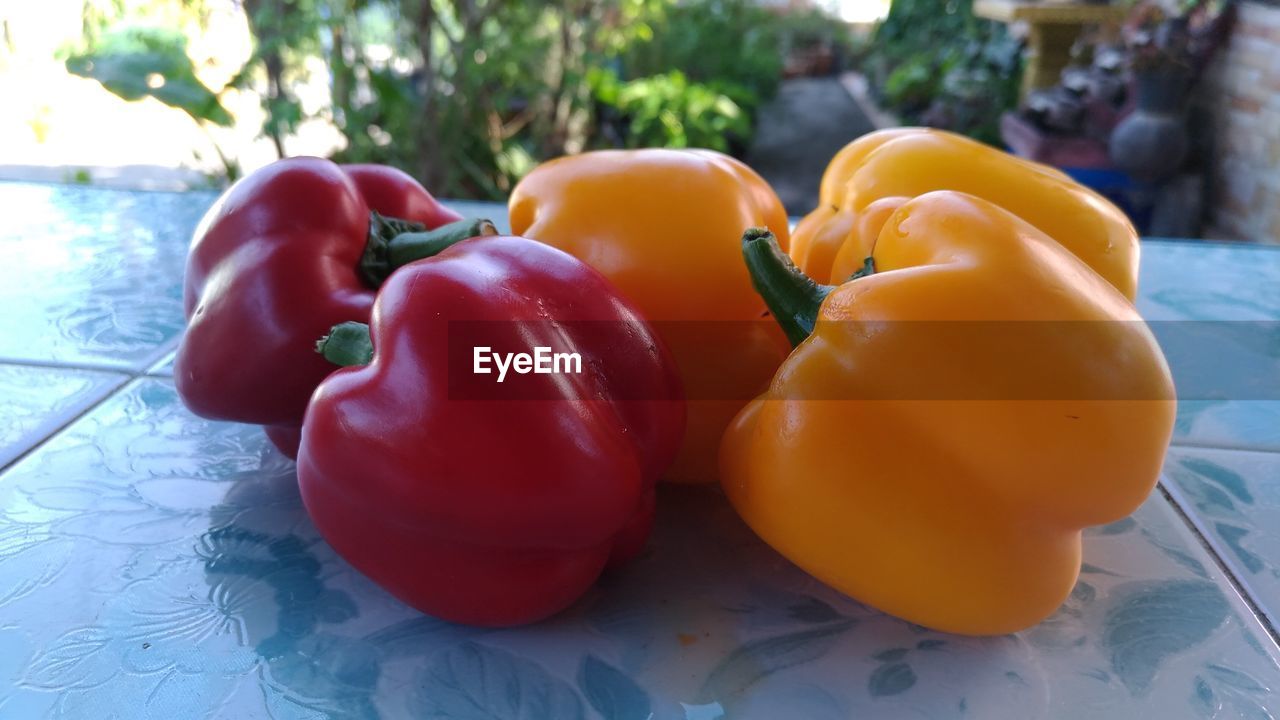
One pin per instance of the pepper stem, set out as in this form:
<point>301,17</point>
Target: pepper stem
<point>868,268</point>
<point>408,247</point>
<point>347,344</point>
<point>792,296</point>
<point>393,242</point>
<point>374,267</point>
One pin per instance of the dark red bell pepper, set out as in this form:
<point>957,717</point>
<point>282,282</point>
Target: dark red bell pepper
<point>479,502</point>
<point>285,254</point>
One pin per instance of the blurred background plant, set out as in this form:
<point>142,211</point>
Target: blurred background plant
<point>467,95</point>
<point>139,61</point>
<point>1180,34</point>
<point>932,62</point>
<point>669,110</point>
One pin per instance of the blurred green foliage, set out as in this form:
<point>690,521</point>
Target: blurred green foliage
<point>137,62</point>
<point>731,46</point>
<point>670,111</point>
<point>812,27</point>
<point>934,63</point>
<point>468,95</point>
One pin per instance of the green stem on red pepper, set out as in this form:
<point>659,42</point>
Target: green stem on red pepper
<point>408,247</point>
<point>374,267</point>
<point>792,296</point>
<point>393,243</point>
<point>347,344</point>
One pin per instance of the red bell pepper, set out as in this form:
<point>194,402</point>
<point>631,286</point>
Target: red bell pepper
<point>478,502</point>
<point>285,254</point>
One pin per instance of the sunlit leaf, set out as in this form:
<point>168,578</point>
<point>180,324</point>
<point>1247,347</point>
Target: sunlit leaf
<point>140,62</point>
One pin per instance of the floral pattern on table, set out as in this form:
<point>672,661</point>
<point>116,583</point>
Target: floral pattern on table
<point>93,276</point>
<point>1233,499</point>
<point>1192,280</point>
<point>153,561</point>
<point>164,368</point>
<point>1202,281</point>
<point>1240,424</point>
<point>39,400</point>
<point>99,281</point>
<point>156,565</point>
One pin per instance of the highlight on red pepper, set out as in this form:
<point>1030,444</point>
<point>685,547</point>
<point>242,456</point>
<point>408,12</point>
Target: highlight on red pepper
<point>468,506</point>
<point>285,254</point>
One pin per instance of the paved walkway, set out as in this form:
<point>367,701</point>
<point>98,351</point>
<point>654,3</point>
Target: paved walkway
<point>798,132</point>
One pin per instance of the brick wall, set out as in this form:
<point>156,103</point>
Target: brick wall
<point>1241,93</point>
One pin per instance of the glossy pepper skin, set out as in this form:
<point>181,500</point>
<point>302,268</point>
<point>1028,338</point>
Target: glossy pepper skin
<point>664,226</point>
<point>483,510</point>
<point>962,513</point>
<point>875,174</point>
<point>273,265</point>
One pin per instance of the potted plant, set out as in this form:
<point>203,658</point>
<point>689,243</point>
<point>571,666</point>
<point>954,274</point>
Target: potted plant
<point>1166,53</point>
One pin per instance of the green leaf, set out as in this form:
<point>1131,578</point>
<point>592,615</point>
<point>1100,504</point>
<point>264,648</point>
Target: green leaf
<point>139,62</point>
<point>670,111</point>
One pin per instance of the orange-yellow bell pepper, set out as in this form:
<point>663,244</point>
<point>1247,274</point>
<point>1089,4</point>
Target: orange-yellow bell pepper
<point>873,175</point>
<point>664,226</point>
<point>950,422</point>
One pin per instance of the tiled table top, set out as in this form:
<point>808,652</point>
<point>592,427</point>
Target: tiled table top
<point>92,277</point>
<point>156,565</point>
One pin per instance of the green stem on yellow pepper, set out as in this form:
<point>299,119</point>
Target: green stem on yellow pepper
<point>868,268</point>
<point>792,296</point>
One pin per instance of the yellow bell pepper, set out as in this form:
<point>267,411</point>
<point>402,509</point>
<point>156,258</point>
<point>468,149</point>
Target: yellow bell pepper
<point>873,175</point>
<point>950,421</point>
<point>664,226</point>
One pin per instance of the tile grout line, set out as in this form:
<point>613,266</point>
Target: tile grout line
<point>1224,448</point>
<point>59,365</point>
<point>71,420</point>
<point>162,352</point>
<point>126,375</point>
<point>146,364</point>
<point>132,375</point>
<point>1236,584</point>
